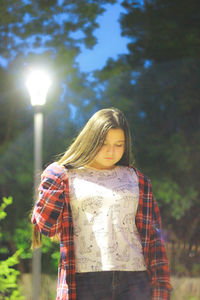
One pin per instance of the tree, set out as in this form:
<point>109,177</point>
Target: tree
<point>29,25</point>
<point>161,30</point>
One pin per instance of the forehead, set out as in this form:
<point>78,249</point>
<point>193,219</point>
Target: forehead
<point>115,134</point>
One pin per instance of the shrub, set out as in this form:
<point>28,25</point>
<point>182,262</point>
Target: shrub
<point>8,275</point>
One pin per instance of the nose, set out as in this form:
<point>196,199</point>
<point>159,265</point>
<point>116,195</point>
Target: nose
<point>110,149</point>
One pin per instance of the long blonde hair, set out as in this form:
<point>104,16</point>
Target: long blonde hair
<point>91,138</point>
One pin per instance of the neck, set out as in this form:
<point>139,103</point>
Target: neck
<point>99,168</point>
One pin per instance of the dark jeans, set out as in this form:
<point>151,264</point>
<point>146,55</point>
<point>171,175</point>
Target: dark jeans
<point>113,285</point>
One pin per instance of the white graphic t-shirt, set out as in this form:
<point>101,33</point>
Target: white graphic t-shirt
<point>104,205</point>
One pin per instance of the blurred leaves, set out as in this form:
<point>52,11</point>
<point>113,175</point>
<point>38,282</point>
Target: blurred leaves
<point>8,274</point>
<point>4,204</point>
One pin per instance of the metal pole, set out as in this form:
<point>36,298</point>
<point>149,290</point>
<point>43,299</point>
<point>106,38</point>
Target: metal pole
<point>38,133</point>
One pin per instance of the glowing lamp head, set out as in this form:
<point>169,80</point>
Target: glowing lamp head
<point>38,84</point>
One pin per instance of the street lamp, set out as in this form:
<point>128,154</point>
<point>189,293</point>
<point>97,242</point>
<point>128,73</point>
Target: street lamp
<point>38,84</point>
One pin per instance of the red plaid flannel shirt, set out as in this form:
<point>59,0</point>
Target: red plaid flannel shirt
<point>52,216</point>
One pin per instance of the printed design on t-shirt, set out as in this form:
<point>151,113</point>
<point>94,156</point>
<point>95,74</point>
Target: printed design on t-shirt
<point>123,255</point>
<point>77,230</point>
<point>109,249</point>
<point>84,247</point>
<point>104,205</point>
<point>92,205</point>
<point>75,213</point>
<point>128,221</point>
<point>95,265</point>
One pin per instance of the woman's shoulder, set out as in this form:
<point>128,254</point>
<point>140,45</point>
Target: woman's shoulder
<point>140,174</point>
<point>55,170</point>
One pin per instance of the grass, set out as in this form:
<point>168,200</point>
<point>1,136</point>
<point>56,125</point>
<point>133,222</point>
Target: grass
<point>185,288</point>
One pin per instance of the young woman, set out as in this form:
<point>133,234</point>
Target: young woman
<point>106,217</point>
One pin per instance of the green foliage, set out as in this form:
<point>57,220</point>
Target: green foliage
<point>50,252</point>
<point>3,214</point>
<point>170,194</point>
<point>196,269</point>
<point>155,26</point>
<point>8,278</point>
<point>38,20</point>
<point>22,239</point>
<point>6,202</point>
<point>8,275</point>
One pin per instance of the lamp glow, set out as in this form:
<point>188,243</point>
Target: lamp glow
<point>38,84</point>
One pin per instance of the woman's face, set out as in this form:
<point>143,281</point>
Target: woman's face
<point>112,150</point>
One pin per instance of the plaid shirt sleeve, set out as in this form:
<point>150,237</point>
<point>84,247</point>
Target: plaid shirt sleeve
<point>47,213</point>
<point>160,277</point>
<point>148,222</point>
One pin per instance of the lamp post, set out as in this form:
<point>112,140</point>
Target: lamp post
<point>37,84</point>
